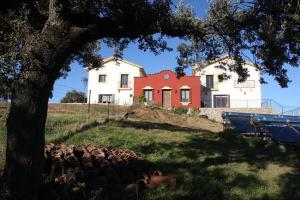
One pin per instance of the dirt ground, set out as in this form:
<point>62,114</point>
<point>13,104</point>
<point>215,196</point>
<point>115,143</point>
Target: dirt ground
<point>144,113</point>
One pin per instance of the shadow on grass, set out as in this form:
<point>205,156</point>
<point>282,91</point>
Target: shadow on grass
<point>290,184</point>
<point>83,128</point>
<point>152,125</point>
<point>203,168</point>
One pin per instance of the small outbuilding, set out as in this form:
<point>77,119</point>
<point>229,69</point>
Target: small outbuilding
<point>168,90</point>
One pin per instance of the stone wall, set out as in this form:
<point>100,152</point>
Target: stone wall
<point>215,113</point>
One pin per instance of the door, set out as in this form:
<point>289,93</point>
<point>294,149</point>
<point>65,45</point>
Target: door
<point>167,98</point>
<point>221,101</point>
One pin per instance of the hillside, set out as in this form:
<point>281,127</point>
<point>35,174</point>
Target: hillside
<point>206,163</point>
<point>161,116</point>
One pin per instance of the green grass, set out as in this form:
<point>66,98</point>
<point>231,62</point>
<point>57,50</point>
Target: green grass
<point>206,165</point>
<point>63,120</point>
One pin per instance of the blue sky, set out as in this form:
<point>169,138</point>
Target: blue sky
<point>286,96</point>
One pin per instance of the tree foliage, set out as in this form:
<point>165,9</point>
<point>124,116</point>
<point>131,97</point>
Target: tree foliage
<point>84,26</point>
<point>74,96</point>
<point>263,31</point>
<point>266,32</point>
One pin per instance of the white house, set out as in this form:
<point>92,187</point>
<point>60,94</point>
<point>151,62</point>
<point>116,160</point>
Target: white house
<point>114,82</point>
<point>217,91</point>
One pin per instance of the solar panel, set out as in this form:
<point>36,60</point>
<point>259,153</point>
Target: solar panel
<point>283,134</point>
<point>297,128</point>
<point>242,125</point>
<point>281,128</point>
<point>239,114</point>
<point>283,120</point>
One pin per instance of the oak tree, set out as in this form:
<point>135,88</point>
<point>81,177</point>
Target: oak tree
<point>38,41</point>
<point>40,38</point>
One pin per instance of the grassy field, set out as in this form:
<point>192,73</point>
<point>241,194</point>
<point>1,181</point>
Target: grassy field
<point>207,165</point>
<point>64,120</point>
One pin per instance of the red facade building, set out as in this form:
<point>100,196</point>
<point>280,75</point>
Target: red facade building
<point>165,89</point>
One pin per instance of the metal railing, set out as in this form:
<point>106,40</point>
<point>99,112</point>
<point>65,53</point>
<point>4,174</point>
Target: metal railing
<point>263,103</point>
<point>270,103</point>
<point>293,112</point>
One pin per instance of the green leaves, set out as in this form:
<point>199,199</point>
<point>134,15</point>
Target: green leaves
<point>266,30</point>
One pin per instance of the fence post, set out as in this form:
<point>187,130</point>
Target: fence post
<point>108,110</point>
<point>118,110</point>
<point>89,105</point>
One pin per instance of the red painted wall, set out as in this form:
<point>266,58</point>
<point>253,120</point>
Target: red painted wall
<point>157,82</point>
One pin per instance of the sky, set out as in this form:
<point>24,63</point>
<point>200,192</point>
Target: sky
<point>167,60</point>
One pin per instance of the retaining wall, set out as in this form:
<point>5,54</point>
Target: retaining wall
<point>215,113</point>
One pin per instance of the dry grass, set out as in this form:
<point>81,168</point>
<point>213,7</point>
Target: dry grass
<point>157,115</point>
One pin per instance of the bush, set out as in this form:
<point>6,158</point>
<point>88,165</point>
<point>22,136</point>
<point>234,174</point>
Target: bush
<point>154,106</point>
<point>180,111</point>
<point>74,97</point>
<point>141,99</point>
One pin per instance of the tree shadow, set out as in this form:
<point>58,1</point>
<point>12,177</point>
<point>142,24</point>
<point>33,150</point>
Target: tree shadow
<point>153,125</point>
<point>290,184</point>
<point>83,128</point>
<point>205,174</point>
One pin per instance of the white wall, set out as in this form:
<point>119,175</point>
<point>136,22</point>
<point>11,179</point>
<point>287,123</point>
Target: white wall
<point>247,97</point>
<point>113,72</point>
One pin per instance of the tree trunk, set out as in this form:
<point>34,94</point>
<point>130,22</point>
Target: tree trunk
<point>25,135</point>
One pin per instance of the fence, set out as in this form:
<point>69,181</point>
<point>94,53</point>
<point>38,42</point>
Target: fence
<point>88,111</point>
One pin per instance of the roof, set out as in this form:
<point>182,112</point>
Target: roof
<point>112,58</point>
<point>208,63</point>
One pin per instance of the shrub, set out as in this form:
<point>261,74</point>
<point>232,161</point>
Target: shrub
<point>154,106</point>
<point>141,99</point>
<point>74,97</point>
<point>180,111</point>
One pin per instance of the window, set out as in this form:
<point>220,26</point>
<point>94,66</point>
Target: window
<point>106,98</point>
<point>210,81</point>
<point>102,78</point>
<point>185,95</point>
<point>148,95</point>
<point>124,80</point>
<point>221,101</point>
